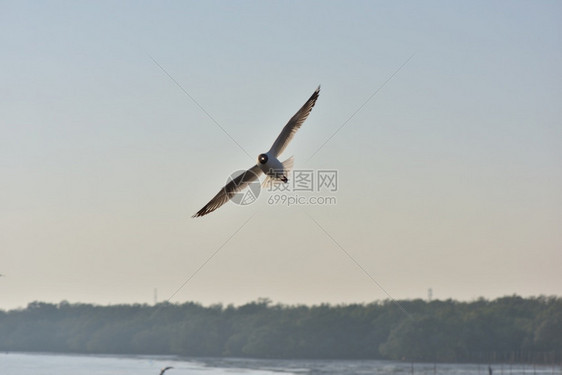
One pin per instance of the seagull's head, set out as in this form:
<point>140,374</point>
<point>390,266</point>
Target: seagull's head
<point>262,159</point>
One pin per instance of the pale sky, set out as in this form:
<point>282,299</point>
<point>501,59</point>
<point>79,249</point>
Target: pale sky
<point>449,178</point>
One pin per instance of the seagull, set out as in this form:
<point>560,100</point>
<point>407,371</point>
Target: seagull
<point>165,369</point>
<point>268,163</point>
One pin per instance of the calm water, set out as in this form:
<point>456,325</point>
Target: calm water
<point>47,364</point>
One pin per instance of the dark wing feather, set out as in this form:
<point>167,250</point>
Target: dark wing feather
<point>234,186</point>
<point>293,125</point>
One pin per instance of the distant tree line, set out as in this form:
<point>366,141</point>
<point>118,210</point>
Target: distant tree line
<point>508,329</point>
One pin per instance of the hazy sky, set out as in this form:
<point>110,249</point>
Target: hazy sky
<point>449,178</point>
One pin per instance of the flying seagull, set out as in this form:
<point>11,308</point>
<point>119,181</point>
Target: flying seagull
<point>165,369</point>
<point>268,163</point>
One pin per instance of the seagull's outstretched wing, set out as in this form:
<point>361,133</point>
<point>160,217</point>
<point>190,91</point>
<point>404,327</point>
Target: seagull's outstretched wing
<point>234,186</point>
<point>165,369</point>
<point>293,125</point>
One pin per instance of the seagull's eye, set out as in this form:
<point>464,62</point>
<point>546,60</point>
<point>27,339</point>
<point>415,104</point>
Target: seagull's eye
<point>262,158</point>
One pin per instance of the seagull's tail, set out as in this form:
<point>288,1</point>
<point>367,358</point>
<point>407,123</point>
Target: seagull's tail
<point>287,168</point>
